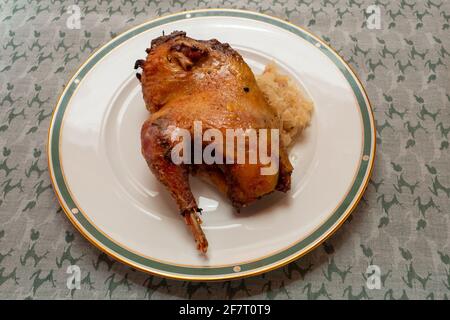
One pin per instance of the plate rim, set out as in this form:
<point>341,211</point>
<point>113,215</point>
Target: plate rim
<point>173,271</point>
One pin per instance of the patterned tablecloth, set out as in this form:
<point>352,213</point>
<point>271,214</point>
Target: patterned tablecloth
<point>401,226</point>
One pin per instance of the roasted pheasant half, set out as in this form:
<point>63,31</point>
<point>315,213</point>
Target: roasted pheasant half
<point>186,80</point>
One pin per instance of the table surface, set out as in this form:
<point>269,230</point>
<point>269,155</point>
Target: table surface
<point>401,225</point>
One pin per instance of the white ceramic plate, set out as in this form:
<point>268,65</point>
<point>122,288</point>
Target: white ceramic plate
<point>110,195</point>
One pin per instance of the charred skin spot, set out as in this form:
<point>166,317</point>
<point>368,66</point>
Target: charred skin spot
<point>160,40</point>
<point>139,63</point>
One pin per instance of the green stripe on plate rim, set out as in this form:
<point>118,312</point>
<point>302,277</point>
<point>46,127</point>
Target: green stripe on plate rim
<point>210,271</point>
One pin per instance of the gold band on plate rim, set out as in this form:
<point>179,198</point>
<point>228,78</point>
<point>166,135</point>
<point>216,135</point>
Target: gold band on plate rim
<point>237,275</point>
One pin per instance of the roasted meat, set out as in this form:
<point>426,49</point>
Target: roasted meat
<point>186,80</point>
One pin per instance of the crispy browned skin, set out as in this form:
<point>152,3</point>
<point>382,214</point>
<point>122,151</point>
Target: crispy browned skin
<point>186,80</point>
